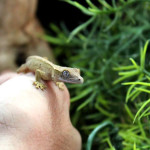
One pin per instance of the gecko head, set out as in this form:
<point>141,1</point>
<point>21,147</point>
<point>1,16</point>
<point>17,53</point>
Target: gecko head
<point>70,75</point>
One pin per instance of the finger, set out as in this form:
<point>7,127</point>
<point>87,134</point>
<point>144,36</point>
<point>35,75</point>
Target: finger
<point>62,96</point>
<point>44,113</point>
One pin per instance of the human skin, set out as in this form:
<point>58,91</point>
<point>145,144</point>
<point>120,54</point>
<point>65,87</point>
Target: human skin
<point>34,119</point>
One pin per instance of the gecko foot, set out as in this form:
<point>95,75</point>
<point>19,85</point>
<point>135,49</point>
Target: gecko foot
<point>39,85</point>
<point>60,85</point>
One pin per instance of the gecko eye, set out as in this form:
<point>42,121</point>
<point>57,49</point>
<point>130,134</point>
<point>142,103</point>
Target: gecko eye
<point>65,74</point>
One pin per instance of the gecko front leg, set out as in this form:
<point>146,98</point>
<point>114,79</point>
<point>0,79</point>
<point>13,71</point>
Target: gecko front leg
<point>60,85</point>
<point>38,75</point>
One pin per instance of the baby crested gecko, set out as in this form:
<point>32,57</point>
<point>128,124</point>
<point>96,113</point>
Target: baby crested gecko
<point>46,70</point>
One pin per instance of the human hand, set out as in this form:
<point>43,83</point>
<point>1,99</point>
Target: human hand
<point>34,119</point>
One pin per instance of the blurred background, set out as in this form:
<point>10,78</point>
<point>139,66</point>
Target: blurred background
<point>109,42</point>
<point>57,12</point>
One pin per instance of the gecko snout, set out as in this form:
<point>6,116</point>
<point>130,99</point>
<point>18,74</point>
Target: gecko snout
<point>81,80</point>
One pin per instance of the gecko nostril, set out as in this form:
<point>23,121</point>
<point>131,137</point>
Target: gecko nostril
<point>81,80</point>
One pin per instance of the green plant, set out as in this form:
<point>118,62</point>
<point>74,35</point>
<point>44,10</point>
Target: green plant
<point>142,81</point>
<point>114,33</point>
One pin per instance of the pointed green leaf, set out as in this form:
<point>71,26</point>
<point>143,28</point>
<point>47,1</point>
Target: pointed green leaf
<point>140,110</point>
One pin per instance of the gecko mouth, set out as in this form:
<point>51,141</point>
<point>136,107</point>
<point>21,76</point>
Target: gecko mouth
<point>71,80</point>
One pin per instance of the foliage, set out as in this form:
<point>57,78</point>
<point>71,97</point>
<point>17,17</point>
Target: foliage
<point>142,75</point>
<point>114,33</point>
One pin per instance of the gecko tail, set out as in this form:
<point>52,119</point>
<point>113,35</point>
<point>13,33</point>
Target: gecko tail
<point>23,68</point>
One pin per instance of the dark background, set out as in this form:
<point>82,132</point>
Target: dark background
<point>56,11</point>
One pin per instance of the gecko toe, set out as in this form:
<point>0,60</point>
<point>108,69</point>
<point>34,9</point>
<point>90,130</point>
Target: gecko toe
<point>60,85</point>
<point>39,85</point>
